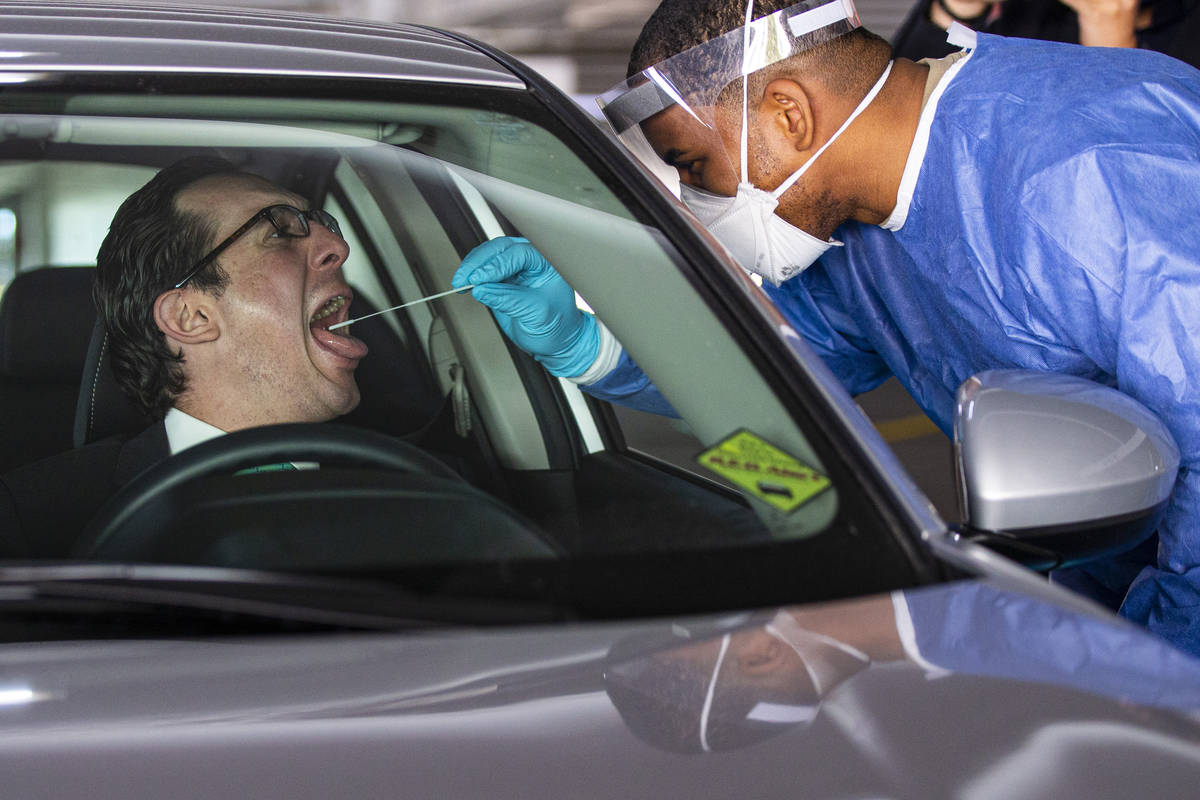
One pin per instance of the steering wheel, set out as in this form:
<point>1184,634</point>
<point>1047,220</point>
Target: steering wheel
<point>114,532</point>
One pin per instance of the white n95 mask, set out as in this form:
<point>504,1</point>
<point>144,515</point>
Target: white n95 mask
<point>761,240</point>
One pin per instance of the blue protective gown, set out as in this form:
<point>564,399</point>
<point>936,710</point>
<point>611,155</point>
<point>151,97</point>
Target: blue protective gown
<point>1054,225</point>
<point>978,629</point>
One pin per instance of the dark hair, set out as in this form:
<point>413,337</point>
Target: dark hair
<point>849,63</point>
<point>150,245</point>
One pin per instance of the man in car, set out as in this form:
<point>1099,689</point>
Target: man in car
<point>1019,204</point>
<point>217,289</point>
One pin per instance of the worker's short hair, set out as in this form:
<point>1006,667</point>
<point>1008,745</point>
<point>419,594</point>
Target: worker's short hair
<point>849,64</point>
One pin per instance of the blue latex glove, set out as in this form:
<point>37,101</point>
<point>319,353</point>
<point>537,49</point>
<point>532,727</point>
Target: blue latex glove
<point>532,303</point>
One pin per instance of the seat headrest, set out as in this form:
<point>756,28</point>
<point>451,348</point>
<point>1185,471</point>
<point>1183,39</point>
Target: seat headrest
<point>46,318</point>
<point>103,409</point>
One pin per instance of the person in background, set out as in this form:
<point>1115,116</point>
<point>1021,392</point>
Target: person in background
<point>1168,26</point>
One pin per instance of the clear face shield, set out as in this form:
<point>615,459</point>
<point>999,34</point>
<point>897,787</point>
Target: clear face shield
<point>693,112</point>
<point>672,106</point>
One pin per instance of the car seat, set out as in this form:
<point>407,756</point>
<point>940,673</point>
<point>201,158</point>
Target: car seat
<point>46,318</point>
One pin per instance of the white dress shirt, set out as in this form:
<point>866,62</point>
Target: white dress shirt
<point>184,431</point>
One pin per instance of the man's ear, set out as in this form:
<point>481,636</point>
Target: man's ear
<point>186,316</point>
<point>788,107</point>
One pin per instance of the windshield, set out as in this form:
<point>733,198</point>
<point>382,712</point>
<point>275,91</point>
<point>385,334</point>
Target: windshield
<point>512,483</point>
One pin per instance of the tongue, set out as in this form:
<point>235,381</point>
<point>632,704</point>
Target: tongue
<point>340,344</point>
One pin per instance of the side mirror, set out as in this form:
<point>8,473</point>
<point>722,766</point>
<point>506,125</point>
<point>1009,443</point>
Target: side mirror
<point>1055,470</point>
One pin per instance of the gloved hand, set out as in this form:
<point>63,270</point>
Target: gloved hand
<point>532,303</point>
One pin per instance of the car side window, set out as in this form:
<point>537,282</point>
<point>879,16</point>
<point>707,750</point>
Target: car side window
<point>664,438</point>
<point>8,245</point>
<point>58,213</point>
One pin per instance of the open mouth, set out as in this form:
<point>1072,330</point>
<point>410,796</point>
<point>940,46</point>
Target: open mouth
<point>340,343</point>
<point>328,314</point>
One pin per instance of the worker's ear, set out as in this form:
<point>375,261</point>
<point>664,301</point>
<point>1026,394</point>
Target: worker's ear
<point>186,316</point>
<point>758,653</point>
<point>788,110</point>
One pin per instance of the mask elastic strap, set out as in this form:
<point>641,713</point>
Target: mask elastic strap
<point>746,90</point>
<point>708,696</point>
<point>862,106</point>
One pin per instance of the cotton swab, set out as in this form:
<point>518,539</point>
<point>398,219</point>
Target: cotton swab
<point>466,288</point>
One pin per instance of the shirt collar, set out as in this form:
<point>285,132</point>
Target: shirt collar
<point>184,430</point>
<point>941,73</point>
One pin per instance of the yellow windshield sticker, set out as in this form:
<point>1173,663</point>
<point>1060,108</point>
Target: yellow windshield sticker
<point>764,471</point>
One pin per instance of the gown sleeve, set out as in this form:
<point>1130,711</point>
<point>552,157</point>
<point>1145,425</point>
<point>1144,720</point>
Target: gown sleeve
<point>978,629</point>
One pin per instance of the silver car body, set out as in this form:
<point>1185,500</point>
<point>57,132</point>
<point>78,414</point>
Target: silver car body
<point>525,711</point>
<point>524,714</point>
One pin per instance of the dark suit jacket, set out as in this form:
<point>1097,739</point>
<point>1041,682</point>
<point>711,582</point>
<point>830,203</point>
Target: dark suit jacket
<point>45,505</point>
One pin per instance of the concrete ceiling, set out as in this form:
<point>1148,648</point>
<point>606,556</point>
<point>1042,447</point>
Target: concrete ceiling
<point>580,43</point>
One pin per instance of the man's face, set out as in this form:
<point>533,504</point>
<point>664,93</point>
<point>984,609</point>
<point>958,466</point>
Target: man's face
<point>710,157</point>
<point>272,360</point>
<point>695,151</point>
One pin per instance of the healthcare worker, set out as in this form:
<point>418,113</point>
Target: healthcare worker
<point>1018,204</point>
<point>743,680</point>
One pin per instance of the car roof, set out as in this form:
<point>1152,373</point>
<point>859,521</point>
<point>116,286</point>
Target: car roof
<point>41,37</point>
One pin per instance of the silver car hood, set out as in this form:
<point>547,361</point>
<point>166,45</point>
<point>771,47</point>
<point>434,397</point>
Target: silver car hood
<point>524,712</point>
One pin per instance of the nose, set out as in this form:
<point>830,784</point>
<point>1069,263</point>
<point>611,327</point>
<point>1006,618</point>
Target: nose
<point>327,250</point>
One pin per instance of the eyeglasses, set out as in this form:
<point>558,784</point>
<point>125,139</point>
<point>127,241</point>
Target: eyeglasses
<point>288,221</point>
